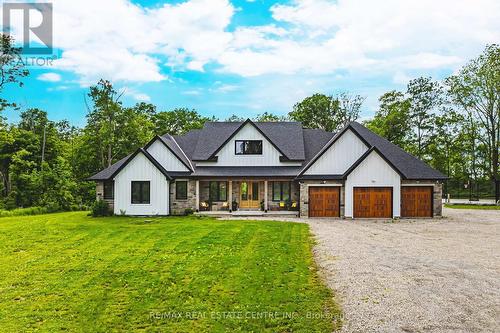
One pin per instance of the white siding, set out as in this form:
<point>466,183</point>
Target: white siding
<point>340,156</point>
<point>373,172</point>
<point>165,157</point>
<point>141,169</point>
<point>227,157</point>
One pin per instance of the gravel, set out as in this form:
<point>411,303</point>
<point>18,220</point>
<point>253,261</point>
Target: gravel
<point>440,275</point>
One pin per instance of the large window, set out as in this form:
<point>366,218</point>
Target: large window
<point>181,190</point>
<point>140,192</point>
<point>218,191</point>
<point>109,189</point>
<point>281,191</point>
<point>248,147</point>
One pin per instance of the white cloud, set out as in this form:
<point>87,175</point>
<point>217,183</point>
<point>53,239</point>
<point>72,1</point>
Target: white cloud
<point>50,77</point>
<point>122,41</point>
<point>386,36</point>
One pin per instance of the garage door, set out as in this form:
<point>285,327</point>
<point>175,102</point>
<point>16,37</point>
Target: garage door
<point>416,201</point>
<point>373,202</point>
<point>324,201</point>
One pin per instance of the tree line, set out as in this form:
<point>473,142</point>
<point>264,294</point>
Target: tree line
<point>453,125</point>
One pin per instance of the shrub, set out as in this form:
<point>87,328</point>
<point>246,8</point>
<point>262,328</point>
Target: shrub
<point>188,211</point>
<point>100,208</point>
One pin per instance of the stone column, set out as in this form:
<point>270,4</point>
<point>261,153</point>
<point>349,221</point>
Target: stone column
<point>230,197</point>
<point>265,195</point>
<point>197,195</point>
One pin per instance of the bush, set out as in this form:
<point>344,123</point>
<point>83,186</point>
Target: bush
<point>188,211</point>
<point>100,208</point>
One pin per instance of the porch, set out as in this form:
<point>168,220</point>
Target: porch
<point>249,213</point>
<point>247,197</point>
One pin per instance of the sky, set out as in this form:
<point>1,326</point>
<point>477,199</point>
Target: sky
<point>246,57</point>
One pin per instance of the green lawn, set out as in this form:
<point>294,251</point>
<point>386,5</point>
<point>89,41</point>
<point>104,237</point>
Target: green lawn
<point>472,207</point>
<point>71,272</point>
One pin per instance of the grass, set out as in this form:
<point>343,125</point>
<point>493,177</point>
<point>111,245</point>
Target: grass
<point>472,207</point>
<point>24,211</point>
<point>75,273</point>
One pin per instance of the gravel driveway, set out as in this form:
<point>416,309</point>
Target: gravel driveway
<point>438,275</point>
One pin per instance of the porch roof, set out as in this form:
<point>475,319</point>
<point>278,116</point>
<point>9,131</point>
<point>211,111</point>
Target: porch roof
<point>265,171</point>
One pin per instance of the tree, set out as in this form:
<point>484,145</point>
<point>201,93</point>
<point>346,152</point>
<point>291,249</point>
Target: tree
<point>178,121</point>
<point>424,96</point>
<point>12,68</point>
<point>102,119</point>
<point>476,88</point>
<point>327,112</point>
<point>392,118</point>
<point>269,117</point>
<point>234,118</point>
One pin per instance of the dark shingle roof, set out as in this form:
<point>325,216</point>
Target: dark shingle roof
<point>188,141</point>
<point>314,140</point>
<point>410,166</point>
<point>213,135</point>
<point>108,172</point>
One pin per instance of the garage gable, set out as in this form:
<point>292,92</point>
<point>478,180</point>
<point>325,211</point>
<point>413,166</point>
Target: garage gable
<point>336,160</point>
<point>373,171</point>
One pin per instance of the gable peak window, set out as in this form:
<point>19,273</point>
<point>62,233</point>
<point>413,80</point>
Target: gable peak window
<point>248,147</point>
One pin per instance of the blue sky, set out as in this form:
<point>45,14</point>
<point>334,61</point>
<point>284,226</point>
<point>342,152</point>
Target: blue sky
<point>245,57</point>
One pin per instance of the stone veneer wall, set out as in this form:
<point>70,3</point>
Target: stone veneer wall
<point>178,207</point>
<point>304,195</point>
<point>99,194</point>
<point>437,194</point>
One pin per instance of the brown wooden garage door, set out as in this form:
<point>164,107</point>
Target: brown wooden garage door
<point>324,201</point>
<point>416,201</point>
<point>373,202</point>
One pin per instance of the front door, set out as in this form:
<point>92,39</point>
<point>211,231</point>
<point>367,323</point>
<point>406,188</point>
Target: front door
<point>249,195</point>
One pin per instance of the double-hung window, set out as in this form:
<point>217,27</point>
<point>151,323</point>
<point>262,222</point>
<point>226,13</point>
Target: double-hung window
<point>141,192</point>
<point>248,147</point>
<point>218,191</point>
<point>109,192</point>
<point>281,191</point>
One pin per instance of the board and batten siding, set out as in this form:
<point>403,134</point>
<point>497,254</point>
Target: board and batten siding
<point>165,157</point>
<point>227,156</point>
<point>340,156</point>
<point>373,172</point>
<point>141,169</point>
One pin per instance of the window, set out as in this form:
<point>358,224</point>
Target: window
<point>281,191</point>
<point>109,190</point>
<point>218,191</point>
<point>140,193</point>
<point>181,190</point>
<point>248,147</point>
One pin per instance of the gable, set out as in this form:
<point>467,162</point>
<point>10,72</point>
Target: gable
<point>226,156</point>
<point>165,157</point>
<point>373,171</point>
<point>346,150</point>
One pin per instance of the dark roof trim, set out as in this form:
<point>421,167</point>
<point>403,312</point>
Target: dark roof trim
<point>286,159</point>
<point>148,156</point>
<point>171,150</point>
<point>248,121</point>
<point>330,143</point>
<point>320,177</point>
<point>365,155</point>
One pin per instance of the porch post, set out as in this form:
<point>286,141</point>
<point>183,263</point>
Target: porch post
<point>265,195</point>
<point>197,195</point>
<point>230,196</point>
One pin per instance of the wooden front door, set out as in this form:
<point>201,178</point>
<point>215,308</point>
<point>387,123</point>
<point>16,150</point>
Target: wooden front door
<point>249,195</point>
<point>416,201</point>
<point>373,202</point>
<point>324,201</point>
